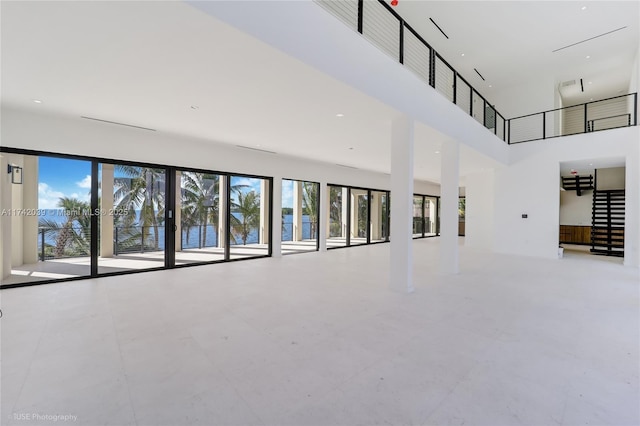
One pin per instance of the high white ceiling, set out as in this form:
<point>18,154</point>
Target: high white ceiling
<point>512,43</point>
<point>167,66</point>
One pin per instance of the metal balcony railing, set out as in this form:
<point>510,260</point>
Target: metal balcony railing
<point>381,25</point>
<point>604,114</point>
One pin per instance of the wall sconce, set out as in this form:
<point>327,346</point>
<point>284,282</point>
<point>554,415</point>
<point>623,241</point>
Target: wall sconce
<point>16,174</point>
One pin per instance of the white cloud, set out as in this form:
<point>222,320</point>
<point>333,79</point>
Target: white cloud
<point>47,197</point>
<point>85,183</point>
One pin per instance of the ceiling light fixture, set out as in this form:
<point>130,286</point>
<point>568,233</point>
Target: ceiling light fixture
<point>584,7</point>
<point>339,115</point>
<point>437,152</point>
<point>588,57</point>
<point>490,86</point>
<point>591,82</point>
<point>462,54</point>
<point>38,101</point>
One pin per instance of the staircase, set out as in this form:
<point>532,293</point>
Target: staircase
<point>607,223</point>
<point>577,183</point>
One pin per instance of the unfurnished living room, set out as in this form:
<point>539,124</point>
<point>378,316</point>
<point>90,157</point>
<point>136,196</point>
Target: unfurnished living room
<point>327,212</point>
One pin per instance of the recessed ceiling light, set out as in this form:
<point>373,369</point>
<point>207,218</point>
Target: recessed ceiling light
<point>462,54</point>
<point>339,115</point>
<point>588,57</point>
<point>591,164</point>
<point>591,82</point>
<point>437,152</point>
<point>38,101</point>
<point>490,86</point>
<point>584,7</point>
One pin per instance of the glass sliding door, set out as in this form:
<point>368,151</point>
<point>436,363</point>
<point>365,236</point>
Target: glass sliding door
<point>379,226</point>
<point>430,211</point>
<point>199,224</point>
<point>300,204</point>
<point>338,216</point>
<point>418,216</point>
<point>46,218</point>
<point>359,216</point>
<point>132,217</point>
<point>249,223</point>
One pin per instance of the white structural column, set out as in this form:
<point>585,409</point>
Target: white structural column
<point>177,214</point>
<point>106,204</point>
<point>276,236</point>
<point>297,211</point>
<point>222,210</point>
<point>401,278</point>
<point>345,212</point>
<point>5,218</point>
<point>632,209</point>
<point>323,220</point>
<point>264,210</point>
<point>30,202</point>
<point>449,182</point>
<point>376,214</point>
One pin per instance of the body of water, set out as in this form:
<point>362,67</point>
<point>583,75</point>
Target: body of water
<point>192,237</point>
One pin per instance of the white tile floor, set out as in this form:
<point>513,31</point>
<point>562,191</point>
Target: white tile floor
<point>318,339</point>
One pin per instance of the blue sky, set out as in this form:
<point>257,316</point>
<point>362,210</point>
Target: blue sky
<point>60,177</point>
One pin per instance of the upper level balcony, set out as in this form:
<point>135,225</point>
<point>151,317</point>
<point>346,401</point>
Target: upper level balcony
<point>379,23</point>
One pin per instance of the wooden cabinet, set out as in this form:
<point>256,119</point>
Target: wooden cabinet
<point>573,234</point>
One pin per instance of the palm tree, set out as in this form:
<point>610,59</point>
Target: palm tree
<point>247,217</point>
<point>200,200</point>
<point>310,205</point>
<point>335,211</point>
<point>70,240</point>
<point>142,188</point>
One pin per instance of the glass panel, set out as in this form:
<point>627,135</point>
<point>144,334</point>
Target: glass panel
<point>359,216</point>
<point>47,201</point>
<point>430,216</point>
<point>198,217</point>
<point>299,216</point>
<point>379,221</point>
<point>417,216</point>
<point>132,205</point>
<point>337,230</point>
<point>249,222</point>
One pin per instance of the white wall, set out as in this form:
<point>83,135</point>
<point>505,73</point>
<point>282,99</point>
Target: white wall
<point>610,178</point>
<point>480,214</point>
<point>541,95</point>
<point>575,210</point>
<point>530,185</point>
<point>338,51</point>
<point>77,136</point>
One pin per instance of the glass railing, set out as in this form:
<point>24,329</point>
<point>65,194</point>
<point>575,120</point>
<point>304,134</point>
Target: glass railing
<point>604,114</point>
<point>380,24</point>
